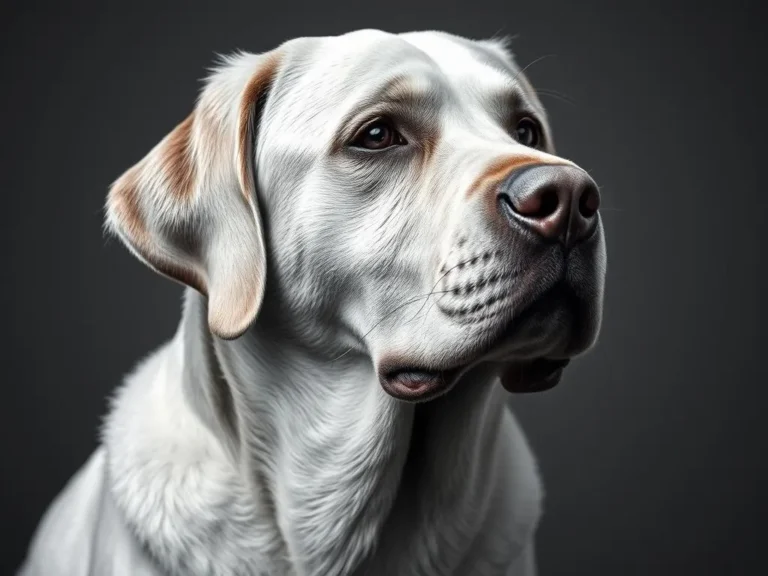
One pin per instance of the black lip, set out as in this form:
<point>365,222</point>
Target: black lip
<point>535,376</point>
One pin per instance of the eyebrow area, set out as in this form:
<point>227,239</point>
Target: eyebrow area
<point>414,99</point>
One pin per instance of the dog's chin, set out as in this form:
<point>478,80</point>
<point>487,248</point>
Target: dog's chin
<point>529,352</point>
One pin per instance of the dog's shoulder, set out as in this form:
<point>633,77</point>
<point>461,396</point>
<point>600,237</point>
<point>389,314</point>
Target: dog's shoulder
<point>82,533</point>
<point>174,485</point>
<point>64,537</point>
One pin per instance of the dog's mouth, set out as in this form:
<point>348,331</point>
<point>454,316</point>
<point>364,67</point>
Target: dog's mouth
<point>420,385</point>
<point>530,353</point>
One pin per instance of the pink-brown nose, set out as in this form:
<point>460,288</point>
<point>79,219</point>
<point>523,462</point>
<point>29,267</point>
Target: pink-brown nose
<point>556,202</point>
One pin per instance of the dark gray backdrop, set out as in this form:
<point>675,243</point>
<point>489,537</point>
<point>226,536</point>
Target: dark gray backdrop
<point>653,449</point>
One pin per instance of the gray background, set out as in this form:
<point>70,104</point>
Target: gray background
<point>653,448</point>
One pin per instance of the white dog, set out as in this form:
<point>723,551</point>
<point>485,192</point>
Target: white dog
<point>376,232</point>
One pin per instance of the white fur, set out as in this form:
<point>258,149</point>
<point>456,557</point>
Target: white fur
<point>277,452</point>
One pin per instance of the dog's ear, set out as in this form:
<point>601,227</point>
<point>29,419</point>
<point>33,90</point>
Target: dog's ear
<point>189,209</point>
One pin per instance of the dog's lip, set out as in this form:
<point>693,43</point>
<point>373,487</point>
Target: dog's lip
<point>533,375</point>
<point>519,374</point>
<point>518,377</point>
<point>417,384</point>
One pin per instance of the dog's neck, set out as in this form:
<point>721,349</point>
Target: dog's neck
<point>326,473</point>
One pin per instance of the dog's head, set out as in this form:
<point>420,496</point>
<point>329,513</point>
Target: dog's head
<point>402,191</point>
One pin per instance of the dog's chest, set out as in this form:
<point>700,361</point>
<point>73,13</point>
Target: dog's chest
<point>328,506</point>
<point>224,531</point>
<point>199,520</point>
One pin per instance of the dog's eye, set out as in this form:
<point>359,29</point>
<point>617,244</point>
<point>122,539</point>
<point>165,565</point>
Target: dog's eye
<point>378,135</point>
<point>528,133</point>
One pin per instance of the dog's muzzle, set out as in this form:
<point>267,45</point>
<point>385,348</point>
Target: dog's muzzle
<point>530,292</point>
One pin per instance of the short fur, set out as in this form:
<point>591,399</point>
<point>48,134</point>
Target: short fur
<point>259,440</point>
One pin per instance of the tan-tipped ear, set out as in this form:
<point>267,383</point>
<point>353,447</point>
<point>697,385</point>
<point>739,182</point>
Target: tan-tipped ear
<point>188,209</point>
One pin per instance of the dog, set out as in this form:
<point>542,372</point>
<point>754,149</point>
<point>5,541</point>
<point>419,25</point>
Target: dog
<point>378,243</point>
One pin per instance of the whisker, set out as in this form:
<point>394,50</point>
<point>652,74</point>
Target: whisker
<point>411,301</point>
<point>426,314</point>
<point>539,59</point>
<point>556,95</point>
<point>432,292</point>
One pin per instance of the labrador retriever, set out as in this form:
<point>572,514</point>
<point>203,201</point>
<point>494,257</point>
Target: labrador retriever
<point>377,239</point>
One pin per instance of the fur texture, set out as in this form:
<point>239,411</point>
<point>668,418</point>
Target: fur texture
<point>260,440</point>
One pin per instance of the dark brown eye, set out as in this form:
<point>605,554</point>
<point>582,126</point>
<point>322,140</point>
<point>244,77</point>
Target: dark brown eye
<point>378,135</point>
<point>528,133</point>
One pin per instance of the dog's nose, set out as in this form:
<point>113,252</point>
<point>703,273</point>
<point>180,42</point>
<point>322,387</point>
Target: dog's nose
<point>557,202</point>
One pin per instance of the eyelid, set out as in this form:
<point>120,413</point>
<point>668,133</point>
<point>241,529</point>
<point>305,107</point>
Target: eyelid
<point>365,125</point>
<point>353,125</point>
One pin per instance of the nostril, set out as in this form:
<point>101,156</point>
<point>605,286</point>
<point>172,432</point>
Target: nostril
<point>539,205</point>
<point>549,201</point>
<point>589,203</point>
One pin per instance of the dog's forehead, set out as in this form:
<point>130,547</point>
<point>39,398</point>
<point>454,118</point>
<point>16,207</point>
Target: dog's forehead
<point>332,70</point>
<point>327,85</point>
<point>463,60</point>
<point>458,60</point>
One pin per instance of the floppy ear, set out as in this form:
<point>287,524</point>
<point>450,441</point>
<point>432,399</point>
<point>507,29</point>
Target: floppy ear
<point>188,210</point>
